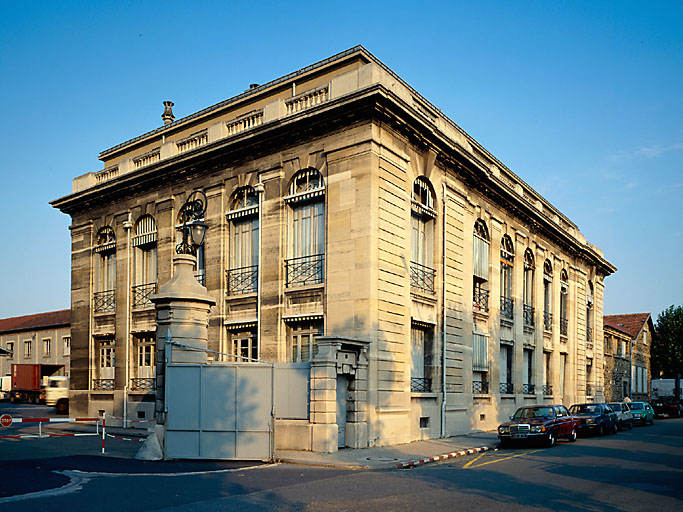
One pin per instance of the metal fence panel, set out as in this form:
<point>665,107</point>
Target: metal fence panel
<point>183,388</point>
<point>218,398</point>
<point>292,390</point>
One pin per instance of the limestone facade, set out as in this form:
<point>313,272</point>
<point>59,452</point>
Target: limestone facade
<point>354,226</point>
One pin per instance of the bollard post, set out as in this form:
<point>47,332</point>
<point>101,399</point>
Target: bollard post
<point>40,429</point>
<point>104,417</point>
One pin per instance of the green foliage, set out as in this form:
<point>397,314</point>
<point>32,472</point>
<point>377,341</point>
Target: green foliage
<point>667,348</point>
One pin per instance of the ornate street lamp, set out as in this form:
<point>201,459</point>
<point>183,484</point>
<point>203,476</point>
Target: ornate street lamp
<point>194,228</point>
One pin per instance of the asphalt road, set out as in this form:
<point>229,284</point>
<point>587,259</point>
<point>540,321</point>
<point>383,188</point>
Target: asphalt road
<point>641,469</point>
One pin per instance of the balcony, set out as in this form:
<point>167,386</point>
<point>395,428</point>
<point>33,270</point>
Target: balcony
<point>507,307</point>
<point>420,385</point>
<point>242,280</point>
<point>547,390</point>
<point>148,384</point>
<point>304,270</point>
<point>480,388</point>
<point>421,278</point>
<point>564,326</point>
<point>141,294</point>
<point>507,388</point>
<point>104,302</point>
<point>480,300</point>
<point>528,314</point>
<point>528,389</point>
<point>547,321</point>
<point>103,384</point>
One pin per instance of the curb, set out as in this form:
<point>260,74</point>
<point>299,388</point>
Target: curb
<point>452,455</point>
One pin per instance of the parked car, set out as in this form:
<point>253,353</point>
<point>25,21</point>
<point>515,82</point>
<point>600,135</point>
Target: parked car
<point>667,405</point>
<point>545,423</point>
<point>595,418</point>
<point>643,413</point>
<point>624,415</point>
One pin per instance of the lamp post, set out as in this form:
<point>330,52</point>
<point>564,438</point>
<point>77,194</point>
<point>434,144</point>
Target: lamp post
<point>194,227</point>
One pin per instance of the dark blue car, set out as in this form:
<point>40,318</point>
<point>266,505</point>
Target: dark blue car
<point>595,418</point>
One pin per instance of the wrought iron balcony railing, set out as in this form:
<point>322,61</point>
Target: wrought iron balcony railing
<point>480,388</point>
<point>564,326</point>
<point>103,384</point>
<point>547,390</point>
<point>201,277</point>
<point>141,293</point>
<point>589,390</point>
<point>507,308</point>
<point>242,280</point>
<point>528,389</point>
<point>421,277</point>
<point>420,385</point>
<point>480,301</point>
<point>507,388</point>
<point>304,270</point>
<point>104,302</point>
<point>547,321</point>
<point>589,345</point>
<point>528,313</point>
<point>147,384</point>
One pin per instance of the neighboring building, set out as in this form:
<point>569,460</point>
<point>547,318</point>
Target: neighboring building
<point>617,363</point>
<point>341,204</point>
<point>43,338</point>
<point>640,330</point>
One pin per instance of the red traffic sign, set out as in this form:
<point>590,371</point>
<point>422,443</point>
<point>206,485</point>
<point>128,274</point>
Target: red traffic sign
<point>5,420</point>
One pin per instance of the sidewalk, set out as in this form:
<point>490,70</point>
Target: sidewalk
<point>397,456</point>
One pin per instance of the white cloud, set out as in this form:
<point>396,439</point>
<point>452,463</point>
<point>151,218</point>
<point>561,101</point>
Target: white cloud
<point>647,151</point>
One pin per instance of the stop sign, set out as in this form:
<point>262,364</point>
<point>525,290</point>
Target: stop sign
<point>5,420</point>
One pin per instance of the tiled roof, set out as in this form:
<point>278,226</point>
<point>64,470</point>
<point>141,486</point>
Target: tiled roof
<point>36,321</point>
<point>630,323</point>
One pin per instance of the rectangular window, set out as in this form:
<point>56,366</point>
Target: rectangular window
<point>244,346</point>
<point>145,348</point>
<point>420,358</point>
<point>10,347</point>
<point>506,385</point>
<point>28,349</point>
<point>66,342</point>
<point>47,346</point>
<point>480,353</point>
<point>528,371</point>
<point>303,346</point>
<point>563,369</point>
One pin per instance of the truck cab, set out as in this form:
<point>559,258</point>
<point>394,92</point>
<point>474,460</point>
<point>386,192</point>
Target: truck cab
<point>57,393</point>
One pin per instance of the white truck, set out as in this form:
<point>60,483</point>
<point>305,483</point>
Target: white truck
<point>57,393</point>
<point>5,387</point>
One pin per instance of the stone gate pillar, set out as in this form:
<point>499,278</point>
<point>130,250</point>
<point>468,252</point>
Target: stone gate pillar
<point>182,313</point>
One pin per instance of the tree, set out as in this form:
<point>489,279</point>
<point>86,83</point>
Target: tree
<point>667,348</point>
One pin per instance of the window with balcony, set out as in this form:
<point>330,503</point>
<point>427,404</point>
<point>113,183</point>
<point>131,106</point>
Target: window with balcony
<point>145,350</point>
<point>421,350</point>
<point>589,377</point>
<point>423,218</point>
<point>145,261</point>
<point>528,291</point>
<point>547,376</point>
<point>480,363</point>
<point>547,295</point>
<point>507,264</point>
<point>104,297</point>
<point>481,247</point>
<point>306,249</point>
<point>303,347</point>
<point>244,345</point>
<point>106,365</point>
<point>564,298</point>
<point>242,275</point>
<point>527,372</point>
<point>589,314</point>
<point>506,366</point>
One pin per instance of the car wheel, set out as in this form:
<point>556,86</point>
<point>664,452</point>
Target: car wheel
<point>601,430</point>
<point>62,406</point>
<point>615,429</point>
<point>630,424</point>
<point>621,425</point>
<point>572,436</point>
<point>550,442</point>
<point>652,421</point>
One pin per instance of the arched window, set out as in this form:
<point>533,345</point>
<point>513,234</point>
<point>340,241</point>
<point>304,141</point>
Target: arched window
<point>529,269</point>
<point>507,263</point>
<point>564,297</point>
<point>422,237</point>
<point>145,261</point>
<point>547,295</point>
<point>244,240</point>
<point>104,298</point>
<point>481,248</point>
<point>306,248</point>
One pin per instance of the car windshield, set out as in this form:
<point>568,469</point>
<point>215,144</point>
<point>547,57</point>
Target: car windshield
<point>533,412</point>
<point>585,409</point>
<point>636,406</point>
<point>616,407</point>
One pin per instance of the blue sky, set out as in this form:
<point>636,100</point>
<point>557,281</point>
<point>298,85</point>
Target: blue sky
<point>583,100</point>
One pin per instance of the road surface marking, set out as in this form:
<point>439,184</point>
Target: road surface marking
<point>500,460</point>
<point>474,460</point>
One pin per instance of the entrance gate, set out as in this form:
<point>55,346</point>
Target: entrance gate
<point>219,411</point>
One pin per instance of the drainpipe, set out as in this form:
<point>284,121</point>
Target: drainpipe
<point>127,225</point>
<point>260,189</point>
<point>443,322</point>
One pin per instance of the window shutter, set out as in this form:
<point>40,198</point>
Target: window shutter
<point>480,353</point>
<point>481,258</point>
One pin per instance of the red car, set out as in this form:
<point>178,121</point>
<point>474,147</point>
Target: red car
<point>544,423</point>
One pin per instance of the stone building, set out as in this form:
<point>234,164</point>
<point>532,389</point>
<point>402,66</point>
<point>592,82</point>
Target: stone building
<point>348,218</point>
<point>630,338</point>
<point>42,338</point>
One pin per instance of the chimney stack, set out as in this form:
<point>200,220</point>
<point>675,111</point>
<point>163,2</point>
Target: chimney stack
<point>168,116</point>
